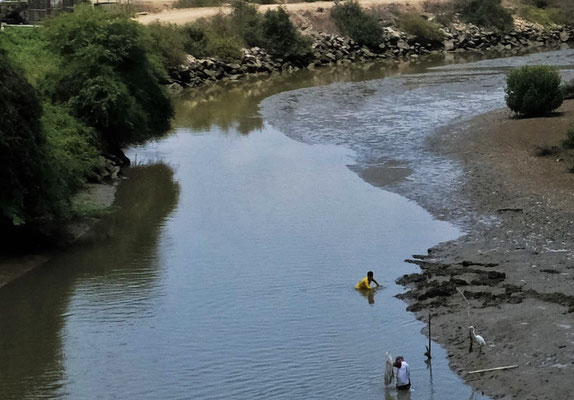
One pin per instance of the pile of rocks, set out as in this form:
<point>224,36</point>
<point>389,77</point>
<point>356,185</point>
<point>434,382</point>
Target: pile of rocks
<point>396,45</point>
<point>465,37</point>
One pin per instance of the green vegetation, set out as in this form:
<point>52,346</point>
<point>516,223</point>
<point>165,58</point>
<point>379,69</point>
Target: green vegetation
<point>569,141</point>
<point>24,171</point>
<point>85,83</point>
<point>197,3</point>
<point>424,30</point>
<point>444,11</point>
<point>281,38</point>
<point>225,35</point>
<point>170,41</point>
<point>352,21</point>
<point>105,76</point>
<point>488,13</point>
<point>543,16</point>
<point>533,90</point>
<point>567,89</point>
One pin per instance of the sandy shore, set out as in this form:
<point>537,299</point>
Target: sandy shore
<point>514,266</point>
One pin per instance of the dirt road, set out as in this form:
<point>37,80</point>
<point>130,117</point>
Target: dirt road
<point>185,15</point>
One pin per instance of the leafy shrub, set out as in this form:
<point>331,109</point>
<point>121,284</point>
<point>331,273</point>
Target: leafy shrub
<point>228,48</point>
<point>24,170</point>
<point>246,22</point>
<point>197,3</point>
<point>533,90</point>
<point>72,149</point>
<point>488,13</point>
<point>170,41</point>
<point>281,38</point>
<point>567,89</point>
<point>107,77</point>
<point>27,49</point>
<point>569,141</point>
<point>352,21</point>
<point>424,30</point>
<point>444,11</point>
<point>536,3</point>
<point>547,16</point>
<point>195,40</point>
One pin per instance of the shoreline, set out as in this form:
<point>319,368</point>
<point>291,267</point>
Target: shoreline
<point>95,196</point>
<point>514,264</point>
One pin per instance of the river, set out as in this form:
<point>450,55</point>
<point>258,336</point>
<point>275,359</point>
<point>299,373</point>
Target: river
<point>227,269</point>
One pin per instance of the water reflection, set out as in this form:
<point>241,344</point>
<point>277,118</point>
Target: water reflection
<point>369,294</point>
<point>235,105</point>
<point>116,267</point>
<point>394,394</point>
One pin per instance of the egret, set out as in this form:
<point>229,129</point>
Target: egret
<point>477,338</point>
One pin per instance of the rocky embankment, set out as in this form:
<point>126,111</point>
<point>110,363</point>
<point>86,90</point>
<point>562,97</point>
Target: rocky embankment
<point>328,49</point>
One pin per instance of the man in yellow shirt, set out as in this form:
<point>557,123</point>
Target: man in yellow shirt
<point>365,283</point>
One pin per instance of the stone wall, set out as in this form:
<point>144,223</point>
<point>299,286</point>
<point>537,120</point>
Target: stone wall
<point>328,49</point>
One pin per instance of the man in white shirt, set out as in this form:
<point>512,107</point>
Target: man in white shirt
<point>402,373</point>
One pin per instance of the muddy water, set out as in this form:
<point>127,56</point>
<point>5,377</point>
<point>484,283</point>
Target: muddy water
<point>228,269</point>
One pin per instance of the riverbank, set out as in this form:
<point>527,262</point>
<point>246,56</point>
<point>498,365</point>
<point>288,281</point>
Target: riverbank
<point>94,199</point>
<point>514,265</point>
<point>396,46</point>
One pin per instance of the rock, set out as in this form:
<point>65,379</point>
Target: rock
<point>401,44</point>
<point>448,45</point>
<point>564,36</point>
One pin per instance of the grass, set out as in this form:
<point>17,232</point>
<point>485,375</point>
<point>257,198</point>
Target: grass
<point>27,49</point>
<point>424,30</point>
<point>544,16</point>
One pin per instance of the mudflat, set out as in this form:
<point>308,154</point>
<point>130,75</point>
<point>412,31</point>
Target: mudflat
<point>512,274</point>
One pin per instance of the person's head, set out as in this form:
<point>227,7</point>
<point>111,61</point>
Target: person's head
<point>399,361</point>
<point>370,274</point>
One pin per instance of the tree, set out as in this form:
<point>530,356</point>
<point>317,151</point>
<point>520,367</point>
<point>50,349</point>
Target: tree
<point>24,170</point>
<point>282,38</point>
<point>109,76</point>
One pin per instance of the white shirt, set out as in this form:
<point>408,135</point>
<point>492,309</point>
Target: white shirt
<point>403,374</point>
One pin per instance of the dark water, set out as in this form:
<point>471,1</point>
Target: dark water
<point>228,270</point>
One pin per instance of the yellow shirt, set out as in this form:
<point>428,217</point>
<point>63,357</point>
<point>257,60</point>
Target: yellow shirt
<point>364,284</point>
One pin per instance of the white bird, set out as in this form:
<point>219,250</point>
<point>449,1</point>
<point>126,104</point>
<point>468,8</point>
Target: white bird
<point>477,338</point>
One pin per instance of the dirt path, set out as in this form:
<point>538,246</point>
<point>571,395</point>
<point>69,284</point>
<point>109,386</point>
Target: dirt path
<point>185,15</point>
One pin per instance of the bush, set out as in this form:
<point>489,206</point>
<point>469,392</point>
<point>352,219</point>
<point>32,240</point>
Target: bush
<point>567,89</point>
<point>107,78</point>
<point>197,3</point>
<point>227,48</point>
<point>545,17</point>
<point>72,150</point>
<point>246,22</point>
<point>170,41</point>
<point>281,38</point>
<point>444,11</point>
<point>488,13</point>
<point>569,141</point>
<point>24,170</point>
<point>195,40</point>
<point>424,30</point>
<point>352,21</point>
<point>27,49</point>
<point>533,90</point>
<point>536,3</point>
